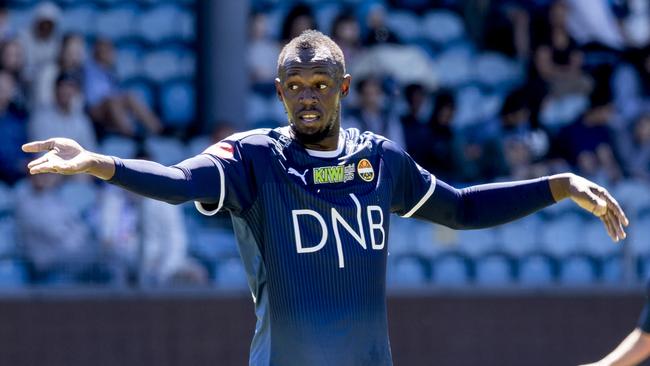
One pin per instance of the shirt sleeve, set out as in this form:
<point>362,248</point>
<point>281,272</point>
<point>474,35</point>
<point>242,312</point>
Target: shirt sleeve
<point>412,184</point>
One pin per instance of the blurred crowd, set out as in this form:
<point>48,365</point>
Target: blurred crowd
<point>474,90</point>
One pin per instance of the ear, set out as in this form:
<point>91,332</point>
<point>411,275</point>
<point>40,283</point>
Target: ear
<point>278,88</point>
<point>345,85</point>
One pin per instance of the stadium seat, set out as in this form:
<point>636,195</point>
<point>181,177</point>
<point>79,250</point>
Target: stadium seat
<point>128,61</point>
<point>561,235</point>
<point>165,150</point>
<point>8,242</point>
<point>12,274</point>
<point>477,242</point>
<point>143,90</point>
<point>118,146</point>
<point>494,270</point>
<point>468,102</point>
<point>405,272</point>
<point>450,270</point>
<point>161,23</point>
<point>177,102</point>
<point>535,270</point>
<point>6,198</point>
<point>20,18</point>
<point>613,270</point>
<point>442,27</point>
<point>520,237</point>
<point>161,65</point>
<point>116,22</point>
<point>80,195</point>
<point>230,274</point>
<point>454,67</point>
<point>80,19</point>
<point>257,108</point>
<point>325,14</point>
<point>496,71</point>
<point>639,235</point>
<point>633,196</point>
<point>212,244</point>
<point>559,111</point>
<point>578,270</point>
<point>595,239</point>
<point>405,24</point>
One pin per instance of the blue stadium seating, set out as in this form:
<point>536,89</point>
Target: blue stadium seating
<point>80,18</point>
<point>12,274</point>
<point>117,22</point>
<point>578,270</point>
<point>405,24</point>
<point>162,23</point>
<point>230,274</point>
<point>128,60</point>
<point>450,270</point>
<point>494,270</point>
<point>454,66</point>
<point>442,27</point>
<point>197,144</point>
<point>535,270</point>
<point>405,272</point>
<point>178,103</point>
<point>118,146</point>
<point>212,244</point>
<point>520,237</point>
<point>613,270</point>
<point>165,150</point>
<point>560,235</point>
<point>477,242</point>
<point>80,195</point>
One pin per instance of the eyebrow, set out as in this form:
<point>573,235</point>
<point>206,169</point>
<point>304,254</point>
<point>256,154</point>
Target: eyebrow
<point>291,73</point>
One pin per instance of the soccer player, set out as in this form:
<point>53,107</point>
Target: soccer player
<point>635,348</point>
<point>310,203</point>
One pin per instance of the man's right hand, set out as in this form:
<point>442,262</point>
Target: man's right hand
<point>66,156</point>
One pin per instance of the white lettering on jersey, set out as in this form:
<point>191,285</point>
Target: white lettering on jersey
<point>337,219</point>
<point>296,231</point>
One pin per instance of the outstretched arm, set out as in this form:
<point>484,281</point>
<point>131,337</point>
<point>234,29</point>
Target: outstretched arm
<point>192,179</point>
<point>493,204</point>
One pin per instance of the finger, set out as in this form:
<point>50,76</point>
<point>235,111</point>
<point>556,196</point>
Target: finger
<point>41,160</point>
<point>616,207</point>
<point>47,167</point>
<point>609,227</point>
<point>38,146</point>
<point>618,224</point>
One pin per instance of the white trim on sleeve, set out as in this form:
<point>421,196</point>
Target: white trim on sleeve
<point>222,191</point>
<point>424,198</point>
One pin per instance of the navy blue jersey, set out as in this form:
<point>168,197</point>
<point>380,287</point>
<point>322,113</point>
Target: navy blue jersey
<point>312,229</point>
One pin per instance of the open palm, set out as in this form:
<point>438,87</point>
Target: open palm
<point>64,156</point>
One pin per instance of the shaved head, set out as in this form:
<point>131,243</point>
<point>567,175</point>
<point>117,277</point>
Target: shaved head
<point>312,45</point>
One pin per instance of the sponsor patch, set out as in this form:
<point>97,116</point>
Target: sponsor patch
<point>365,170</point>
<point>334,174</point>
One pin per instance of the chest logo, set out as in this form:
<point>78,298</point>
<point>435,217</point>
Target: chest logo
<point>365,170</point>
<point>334,174</point>
<point>301,176</point>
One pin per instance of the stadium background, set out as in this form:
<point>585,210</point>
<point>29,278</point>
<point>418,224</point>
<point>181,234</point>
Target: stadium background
<point>476,91</point>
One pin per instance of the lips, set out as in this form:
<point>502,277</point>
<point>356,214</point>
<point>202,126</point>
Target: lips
<point>309,116</point>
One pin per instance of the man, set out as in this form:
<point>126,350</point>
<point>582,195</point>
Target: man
<point>310,205</point>
<point>635,348</point>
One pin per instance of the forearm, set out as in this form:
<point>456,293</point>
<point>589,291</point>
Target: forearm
<point>633,350</point>
<point>193,179</point>
<point>486,205</point>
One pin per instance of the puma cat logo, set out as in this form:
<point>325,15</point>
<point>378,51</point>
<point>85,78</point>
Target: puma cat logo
<point>301,176</point>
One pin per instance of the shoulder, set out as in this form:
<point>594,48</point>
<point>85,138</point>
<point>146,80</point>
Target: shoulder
<point>378,143</point>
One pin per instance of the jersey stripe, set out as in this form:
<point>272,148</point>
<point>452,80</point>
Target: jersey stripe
<point>222,191</point>
<point>424,198</point>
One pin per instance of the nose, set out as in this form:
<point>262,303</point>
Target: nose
<point>308,97</point>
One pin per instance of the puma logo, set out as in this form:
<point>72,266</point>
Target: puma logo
<point>301,176</point>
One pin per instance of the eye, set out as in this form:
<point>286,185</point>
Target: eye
<point>322,86</point>
<point>293,86</point>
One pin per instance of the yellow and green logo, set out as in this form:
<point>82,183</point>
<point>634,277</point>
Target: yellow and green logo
<point>334,174</point>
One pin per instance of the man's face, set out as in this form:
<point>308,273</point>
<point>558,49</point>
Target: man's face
<point>66,91</point>
<point>311,86</point>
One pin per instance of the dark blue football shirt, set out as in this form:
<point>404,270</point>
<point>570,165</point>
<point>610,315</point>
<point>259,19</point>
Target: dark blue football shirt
<point>312,229</point>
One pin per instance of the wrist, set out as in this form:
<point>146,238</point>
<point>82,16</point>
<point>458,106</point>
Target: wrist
<point>559,185</point>
<point>101,166</point>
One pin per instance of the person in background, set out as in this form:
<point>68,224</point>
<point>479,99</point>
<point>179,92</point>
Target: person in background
<point>589,144</point>
<point>377,30</point>
<point>12,61</point>
<point>13,125</point>
<point>6,30</point>
<point>41,42</point>
<point>298,19</point>
<point>374,111</point>
<point>262,52</point>
<point>57,243</point>
<point>635,149</point>
<point>70,61</point>
<point>346,32</point>
<point>64,118</point>
<point>110,107</point>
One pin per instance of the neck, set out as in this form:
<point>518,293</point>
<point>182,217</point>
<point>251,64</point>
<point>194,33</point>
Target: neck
<point>329,142</point>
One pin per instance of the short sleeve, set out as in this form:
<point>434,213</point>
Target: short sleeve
<point>412,184</point>
<point>235,186</point>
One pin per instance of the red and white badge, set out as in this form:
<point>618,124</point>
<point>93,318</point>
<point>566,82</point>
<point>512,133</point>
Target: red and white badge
<point>221,149</point>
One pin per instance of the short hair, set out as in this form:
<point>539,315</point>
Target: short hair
<point>313,40</point>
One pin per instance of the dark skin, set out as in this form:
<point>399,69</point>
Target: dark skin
<point>311,86</point>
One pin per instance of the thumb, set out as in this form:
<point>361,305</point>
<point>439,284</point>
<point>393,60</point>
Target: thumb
<point>598,205</point>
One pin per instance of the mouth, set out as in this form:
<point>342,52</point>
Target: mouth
<point>309,117</point>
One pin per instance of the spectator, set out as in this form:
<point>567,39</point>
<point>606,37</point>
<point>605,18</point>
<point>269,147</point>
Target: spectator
<point>14,133</point>
<point>557,60</point>
<point>70,61</point>
<point>507,31</point>
<point>64,118</point>
<point>592,21</point>
<point>6,30</point>
<point>142,238</point>
<point>346,32</point>
<point>12,61</point>
<point>56,241</point>
<point>299,19</point>
<point>41,42</point>
<point>635,149</point>
<point>374,111</point>
<point>262,54</point>
<point>588,144</point>
<point>110,106</point>
<point>378,32</point>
